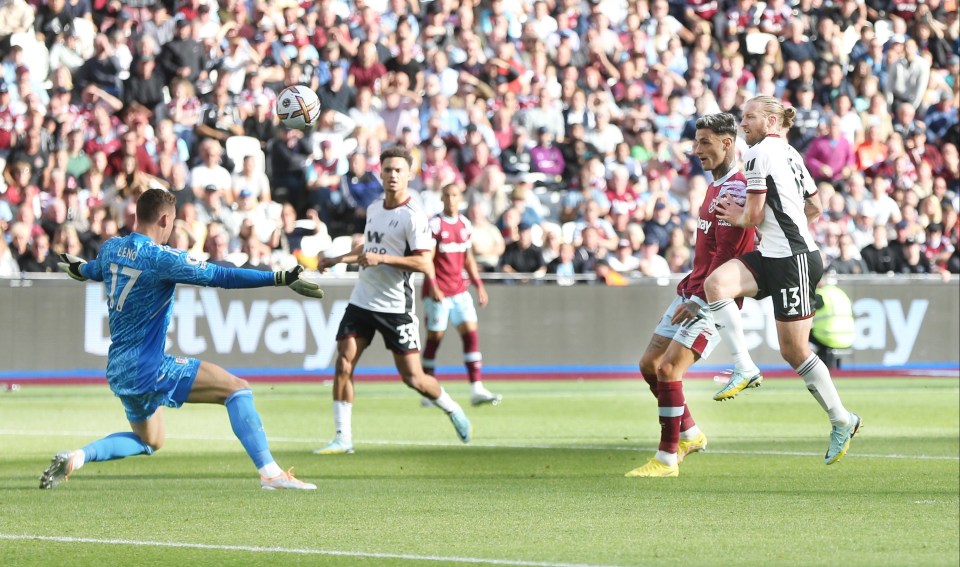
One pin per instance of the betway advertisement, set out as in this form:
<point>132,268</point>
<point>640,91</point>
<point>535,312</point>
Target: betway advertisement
<point>59,329</point>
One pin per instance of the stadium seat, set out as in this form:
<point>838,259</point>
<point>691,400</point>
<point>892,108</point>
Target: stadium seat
<point>340,246</point>
<point>757,42</point>
<point>314,244</point>
<point>238,147</point>
<point>237,258</point>
<point>36,56</point>
<point>86,33</point>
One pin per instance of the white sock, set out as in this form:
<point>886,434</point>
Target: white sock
<point>729,324</point>
<point>690,433</point>
<point>446,403</point>
<point>816,376</point>
<point>669,459</point>
<point>477,388</point>
<point>343,420</point>
<point>79,458</point>
<point>270,470</point>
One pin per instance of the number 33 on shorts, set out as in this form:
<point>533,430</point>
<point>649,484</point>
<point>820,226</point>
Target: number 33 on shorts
<point>409,334</point>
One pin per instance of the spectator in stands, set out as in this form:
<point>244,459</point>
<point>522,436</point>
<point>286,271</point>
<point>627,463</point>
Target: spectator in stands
<point>545,157</point>
<point>830,156</point>
<point>848,261</point>
<point>522,258</point>
<point>913,260</point>
<point>909,74</point>
<point>488,244</point>
<point>183,57</point>
<point>39,258</point>
<point>652,265</point>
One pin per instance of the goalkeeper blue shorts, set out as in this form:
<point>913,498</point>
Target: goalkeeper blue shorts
<point>177,374</point>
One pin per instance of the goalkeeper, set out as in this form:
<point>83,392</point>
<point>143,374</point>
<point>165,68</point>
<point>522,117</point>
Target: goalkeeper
<point>140,274</point>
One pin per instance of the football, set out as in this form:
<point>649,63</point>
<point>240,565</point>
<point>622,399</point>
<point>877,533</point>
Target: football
<point>298,107</point>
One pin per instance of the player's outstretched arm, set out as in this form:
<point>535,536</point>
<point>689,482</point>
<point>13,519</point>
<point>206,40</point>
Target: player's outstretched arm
<point>291,279</point>
<point>351,257</point>
<point>72,266</point>
<point>417,261</point>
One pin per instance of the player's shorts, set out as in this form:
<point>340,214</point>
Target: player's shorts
<point>457,309</point>
<point>698,335</point>
<point>791,282</point>
<point>177,374</point>
<point>401,331</point>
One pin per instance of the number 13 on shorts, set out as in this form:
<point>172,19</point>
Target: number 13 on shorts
<point>794,297</point>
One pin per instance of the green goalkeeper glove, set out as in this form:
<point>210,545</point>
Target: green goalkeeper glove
<point>71,265</point>
<point>291,279</point>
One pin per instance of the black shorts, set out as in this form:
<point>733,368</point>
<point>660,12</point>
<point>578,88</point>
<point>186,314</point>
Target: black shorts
<point>791,282</point>
<point>401,331</point>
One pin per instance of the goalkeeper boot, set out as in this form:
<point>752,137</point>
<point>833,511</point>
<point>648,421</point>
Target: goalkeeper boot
<point>339,446</point>
<point>687,446</point>
<point>485,396</point>
<point>655,469</point>
<point>62,464</point>
<point>462,425</point>
<point>738,382</point>
<point>285,481</point>
<point>840,439</point>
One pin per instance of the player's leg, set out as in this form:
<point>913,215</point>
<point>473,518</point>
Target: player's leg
<point>411,371</point>
<point>463,314</point>
<point>437,314</point>
<point>214,385</point>
<point>349,349</point>
<point>736,278</point>
<point>671,404</point>
<point>650,361</point>
<point>793,309</point>
<point>147,436</point>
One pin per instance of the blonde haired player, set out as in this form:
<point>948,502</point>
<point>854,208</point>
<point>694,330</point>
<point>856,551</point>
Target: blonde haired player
<point>786,267</point>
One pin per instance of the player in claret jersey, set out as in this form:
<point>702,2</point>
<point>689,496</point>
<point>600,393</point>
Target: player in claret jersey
<point>686,332</point>
<point>781,201</point>
<point>446,298</point>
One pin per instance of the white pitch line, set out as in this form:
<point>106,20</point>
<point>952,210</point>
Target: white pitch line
<point>298,551</point>
<point>394,443</point>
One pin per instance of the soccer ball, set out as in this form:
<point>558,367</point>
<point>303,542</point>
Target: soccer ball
<point>298,107</point>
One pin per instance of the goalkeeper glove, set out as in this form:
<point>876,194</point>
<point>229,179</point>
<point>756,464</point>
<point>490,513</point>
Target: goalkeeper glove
<point>291,279</point>
<point>71,265</point>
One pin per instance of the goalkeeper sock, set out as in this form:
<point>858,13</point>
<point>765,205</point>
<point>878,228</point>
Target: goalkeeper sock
<point>247,426</point>
<point>729,323</point>
<point>270,470</point>
<point>115,446</point>
<point>816,376</point>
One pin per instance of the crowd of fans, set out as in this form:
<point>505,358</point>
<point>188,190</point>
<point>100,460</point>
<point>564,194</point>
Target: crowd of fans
<point>568,122</point>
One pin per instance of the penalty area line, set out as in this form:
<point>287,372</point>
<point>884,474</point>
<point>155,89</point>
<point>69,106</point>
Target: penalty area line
<point>296,551</point>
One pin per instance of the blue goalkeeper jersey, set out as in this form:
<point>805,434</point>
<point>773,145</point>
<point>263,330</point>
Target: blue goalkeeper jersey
<point>140,277</point>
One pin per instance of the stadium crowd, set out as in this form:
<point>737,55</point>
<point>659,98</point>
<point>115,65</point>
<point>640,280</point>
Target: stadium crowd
<point>569,123</point>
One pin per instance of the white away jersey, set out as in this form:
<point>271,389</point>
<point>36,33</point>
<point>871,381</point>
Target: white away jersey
<point>397,232</point>
<point>773,167</point>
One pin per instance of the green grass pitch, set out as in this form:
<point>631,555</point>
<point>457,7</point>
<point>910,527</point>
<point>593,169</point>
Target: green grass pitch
<point>541,485</point>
